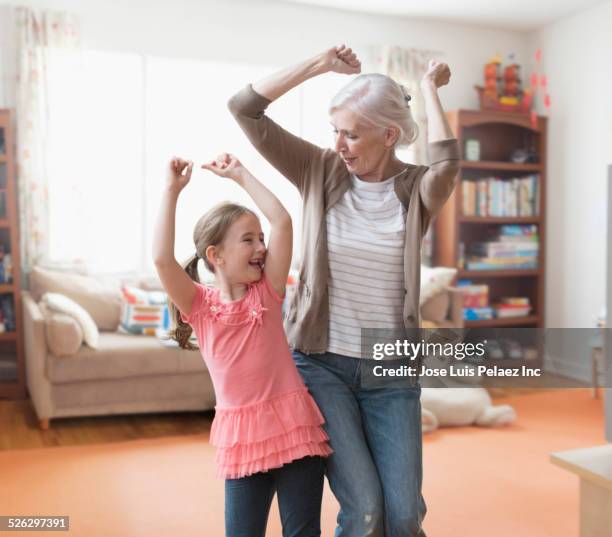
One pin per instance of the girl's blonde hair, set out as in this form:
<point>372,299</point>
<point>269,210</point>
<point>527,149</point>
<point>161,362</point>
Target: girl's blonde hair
<point>210,230</point>
<point>380,101</point>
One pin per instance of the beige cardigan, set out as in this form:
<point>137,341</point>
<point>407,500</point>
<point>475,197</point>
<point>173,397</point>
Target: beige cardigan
<point>321,177</point>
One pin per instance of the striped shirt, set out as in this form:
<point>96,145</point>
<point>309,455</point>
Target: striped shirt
<point>365,236</point>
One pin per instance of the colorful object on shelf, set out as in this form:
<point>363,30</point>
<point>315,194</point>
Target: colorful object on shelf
<point>474,295</point>
<point>503,92</point>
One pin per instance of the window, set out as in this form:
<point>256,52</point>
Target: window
<point>116,120</point>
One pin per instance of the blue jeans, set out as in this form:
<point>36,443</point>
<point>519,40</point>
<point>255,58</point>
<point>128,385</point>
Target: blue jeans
<point>376,469</point>
<point>299,486</point>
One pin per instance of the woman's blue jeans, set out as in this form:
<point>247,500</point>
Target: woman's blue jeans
<point>299,486</point>
<point>376,469</point>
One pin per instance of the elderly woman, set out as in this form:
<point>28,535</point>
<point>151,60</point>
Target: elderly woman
<point>364,216</point>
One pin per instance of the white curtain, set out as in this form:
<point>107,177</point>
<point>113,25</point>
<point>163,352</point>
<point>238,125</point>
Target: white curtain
<point>36,33</point>
<point>407,67</point>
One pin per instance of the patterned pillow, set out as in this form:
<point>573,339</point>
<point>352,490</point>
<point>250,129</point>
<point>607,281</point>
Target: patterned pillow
<point>144,312</point>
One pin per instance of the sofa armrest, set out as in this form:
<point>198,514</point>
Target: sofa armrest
<point>35,338</point>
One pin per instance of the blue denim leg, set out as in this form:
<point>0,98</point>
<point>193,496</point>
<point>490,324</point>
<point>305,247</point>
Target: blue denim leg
<point>353,478</point>
<point>392,424</point>
<point>376,469</point>
<point>247,505</point>
<point>299,487</point>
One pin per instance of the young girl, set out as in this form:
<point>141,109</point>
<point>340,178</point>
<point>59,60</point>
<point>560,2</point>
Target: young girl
<point>267,428</point>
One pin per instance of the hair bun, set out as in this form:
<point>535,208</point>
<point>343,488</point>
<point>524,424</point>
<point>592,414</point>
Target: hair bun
<point>407,96</point>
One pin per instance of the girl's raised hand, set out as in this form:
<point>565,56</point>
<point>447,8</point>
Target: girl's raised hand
<point>342,60</point>
<point>179,173</point>
<point>226,165</point>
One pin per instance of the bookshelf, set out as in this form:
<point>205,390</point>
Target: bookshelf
<point>12,367</point>
<point>495,196</point>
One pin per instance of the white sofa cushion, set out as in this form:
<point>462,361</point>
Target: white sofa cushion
<point>63,304</point>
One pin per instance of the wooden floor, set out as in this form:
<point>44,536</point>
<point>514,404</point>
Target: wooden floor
<point>19,427</point>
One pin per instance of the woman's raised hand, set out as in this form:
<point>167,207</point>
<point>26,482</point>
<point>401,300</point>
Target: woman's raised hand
<point>438,74</point>
<point>342,60</point>
<point>179,173</point>
<point>226,165</point>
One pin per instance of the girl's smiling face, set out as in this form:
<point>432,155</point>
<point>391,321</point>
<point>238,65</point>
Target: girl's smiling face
<point>242,253</point>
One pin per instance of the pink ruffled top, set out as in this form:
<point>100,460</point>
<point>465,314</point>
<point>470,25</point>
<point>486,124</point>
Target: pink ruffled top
<point>265,417</point>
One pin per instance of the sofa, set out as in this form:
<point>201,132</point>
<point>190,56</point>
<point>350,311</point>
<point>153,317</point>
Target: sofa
<point>127,373</point>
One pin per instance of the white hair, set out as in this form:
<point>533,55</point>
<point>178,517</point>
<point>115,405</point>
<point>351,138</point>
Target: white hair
<point>380,101</point>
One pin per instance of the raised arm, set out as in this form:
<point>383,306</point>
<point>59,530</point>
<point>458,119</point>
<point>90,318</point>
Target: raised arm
<point>288,153</point>
<point>439,181</point>
<point>280,244</point>
<point>179,286</point>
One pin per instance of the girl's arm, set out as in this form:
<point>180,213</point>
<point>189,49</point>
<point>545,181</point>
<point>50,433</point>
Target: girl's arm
<point>289,154</point>
<point>439,181</point>
<point>280,244</point>
<point>180,287</point>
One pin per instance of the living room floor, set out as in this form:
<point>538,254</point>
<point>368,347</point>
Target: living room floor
<point>488,481</point>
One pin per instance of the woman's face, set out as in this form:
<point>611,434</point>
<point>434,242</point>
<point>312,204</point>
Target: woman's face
<point>365,149</point>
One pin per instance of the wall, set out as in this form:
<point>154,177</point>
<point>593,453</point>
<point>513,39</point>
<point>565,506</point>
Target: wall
<point>576,61</point>
<point>278,34</point>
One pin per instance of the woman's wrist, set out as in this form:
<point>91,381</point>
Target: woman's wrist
<point>428,86</point>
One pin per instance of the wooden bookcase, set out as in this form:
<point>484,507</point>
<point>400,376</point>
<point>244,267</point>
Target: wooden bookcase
<point>499,134</point>
<point>12,367</point>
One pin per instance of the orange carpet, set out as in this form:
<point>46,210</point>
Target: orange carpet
<point>478,482</point>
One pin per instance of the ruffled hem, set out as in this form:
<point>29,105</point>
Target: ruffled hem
<point>244,453</point>
<point>271,419</point>
<point>274,460</point>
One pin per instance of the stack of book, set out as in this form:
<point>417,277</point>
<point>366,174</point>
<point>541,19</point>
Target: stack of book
<point>512,307</point>
<point>493,196</point>
<point>515,247</point>
<point>475,301</point>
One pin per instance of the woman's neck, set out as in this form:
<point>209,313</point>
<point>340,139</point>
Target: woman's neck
<point>392,166</point>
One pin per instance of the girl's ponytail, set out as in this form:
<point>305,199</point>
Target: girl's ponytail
<point>183,330</point>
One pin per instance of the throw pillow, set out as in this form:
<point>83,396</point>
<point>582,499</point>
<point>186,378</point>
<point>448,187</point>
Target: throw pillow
<point>64,333</point>
<point>434,280</point>
<point>144,312</point>
<point>63,304</point>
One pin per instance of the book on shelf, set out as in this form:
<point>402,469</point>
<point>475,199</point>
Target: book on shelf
<point>474,296</point>
<point>478,314</point>
<point>496,197</point>
<point>512,306</point>
<point>512,246</point>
